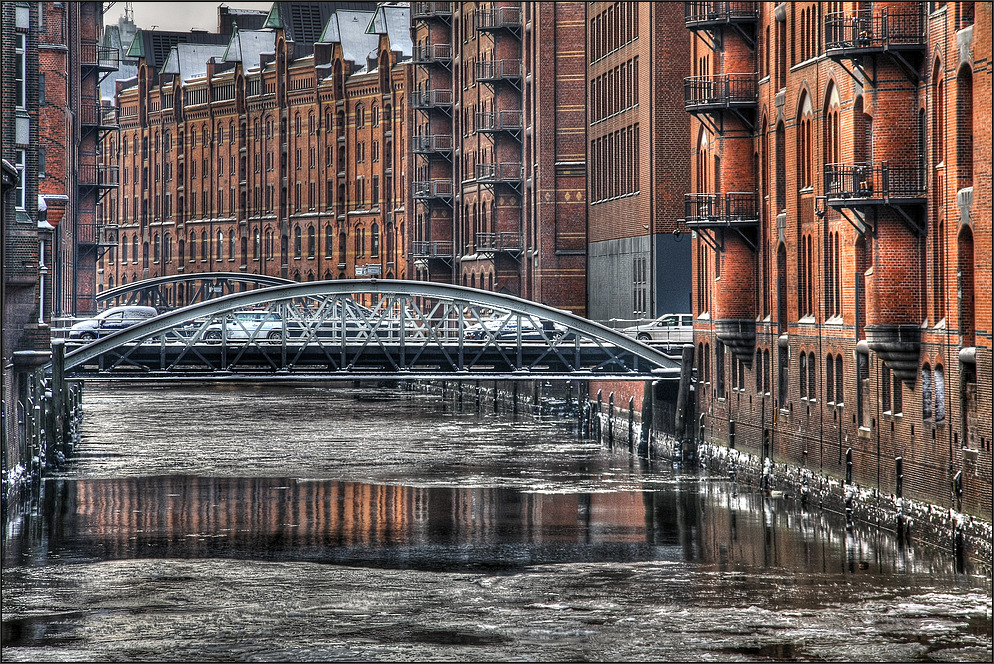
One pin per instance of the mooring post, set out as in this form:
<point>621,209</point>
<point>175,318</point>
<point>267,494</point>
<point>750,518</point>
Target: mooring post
<point>59,395</point>
<point>610,420</point>
<point>631,423</point>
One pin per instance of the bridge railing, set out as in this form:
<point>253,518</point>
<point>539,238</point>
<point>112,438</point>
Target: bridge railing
<point>348,328</point>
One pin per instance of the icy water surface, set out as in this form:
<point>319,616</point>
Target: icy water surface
<point>320,523</point>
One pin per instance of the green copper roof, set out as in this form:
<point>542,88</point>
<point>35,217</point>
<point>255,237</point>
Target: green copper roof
<point>273,20</point>
<point>137,47</point>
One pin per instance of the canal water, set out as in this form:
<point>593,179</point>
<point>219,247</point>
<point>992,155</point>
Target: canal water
<point>325,523</point>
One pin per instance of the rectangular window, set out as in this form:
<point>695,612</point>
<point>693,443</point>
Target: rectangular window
<point>41,162</point>
<point>19,196</point>
<point>20,71</point>
<point>41,89</point>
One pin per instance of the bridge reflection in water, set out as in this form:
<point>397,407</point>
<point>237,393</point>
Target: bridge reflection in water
<point>434,528</point>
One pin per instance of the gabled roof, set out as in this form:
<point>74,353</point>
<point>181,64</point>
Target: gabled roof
<point>247,47</point>
<point>155,45</point>
<point>393,19</point>
<point>348,28</point>
<point>304,22</point>
<point>189,61</point>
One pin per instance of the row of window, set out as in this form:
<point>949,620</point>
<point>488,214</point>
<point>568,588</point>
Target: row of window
<point>162,245</point>
<point>614,166</point>
<point>891,387</point>
<point>615,91</point>
<point>611,29</point>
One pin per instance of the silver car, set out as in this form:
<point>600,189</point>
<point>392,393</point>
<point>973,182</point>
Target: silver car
<point>668,329</point>
<point>110,321</point>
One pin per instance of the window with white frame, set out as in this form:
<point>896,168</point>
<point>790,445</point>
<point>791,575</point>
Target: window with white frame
<point>19,163</point>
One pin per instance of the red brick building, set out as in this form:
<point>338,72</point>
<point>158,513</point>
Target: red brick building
<point>499,138</point>
<point>638,167</point>
<point>52,126</point>
<point>269,151</point>
<point>841,206</point>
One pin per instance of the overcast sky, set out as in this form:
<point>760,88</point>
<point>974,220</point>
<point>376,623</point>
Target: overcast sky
<point>180,16</point>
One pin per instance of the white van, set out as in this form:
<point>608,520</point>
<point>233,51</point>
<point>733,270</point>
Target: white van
<point>668,330</point>
<point>110,321</point>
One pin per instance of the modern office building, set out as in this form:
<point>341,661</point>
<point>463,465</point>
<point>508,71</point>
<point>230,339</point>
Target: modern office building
<point>841,203</point>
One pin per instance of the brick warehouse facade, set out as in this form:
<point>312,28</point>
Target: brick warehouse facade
<point>51,132</point>
<point>841,204</point>
<point>499,141</point>
<point>269,151</point>
<point>636,62</point>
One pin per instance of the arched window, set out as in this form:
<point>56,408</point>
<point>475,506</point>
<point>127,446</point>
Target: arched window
<point>296,242</point>
<point>360,116</point>
<point>256,244</point>
<point>804,150</point>
<point>329,242</point>
<point>342,247</point>
<point>839,383</point>
<point>830,379</point>
<point>812,377</point>
<point>940,393</point>
<point>802,373</point>
<point>219,249</point>
<point>374,239</point>
<point>926,392</point>
<point>156,248</point>
<point>311,242</point>
<point>964,127</point>
<point>134,248</point>
<point>124,248</point>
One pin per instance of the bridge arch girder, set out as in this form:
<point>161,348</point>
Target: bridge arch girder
<point>358,328</point>
<point>153,292</point>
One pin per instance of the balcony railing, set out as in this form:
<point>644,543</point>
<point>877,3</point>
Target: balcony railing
<point>429,10</point>
<point>96,115</point>
<point>500,18</point>
<point>736,208</point>
<point>873,182</point>
<point>92,54</point>
<point>506,173</point>
<point>427,99</point>
<point>499,242</point>
<point>434,144</point>
<point>704,93</point>
<point>432,189</point>
<point>879,30</point>
<point>491,122</point>
<point>498,70</point>
<point>710,14</point>
<point>104,176</point>
<point>432,249</point>
<point>426,54</point>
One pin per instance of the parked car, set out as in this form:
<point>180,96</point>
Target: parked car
<point>668,329</point>
<point>242,326</point>
<point>506,329</point>
<point>110,321</point>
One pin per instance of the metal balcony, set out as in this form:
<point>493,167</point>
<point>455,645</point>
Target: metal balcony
<point>737,211</point>
<point>858,187</point>
<point>433,54</point>
<point>438,249</point>
<point>426,100</point>
<point>433,190</point>
<point>499,243</point>
<point>715,95</point>
<point>100,176</point>
<point>436,144</point>
<point>900,35</point>
<point>496,71</point>
<point>713,14</point>
<point>94,56</point>
<point>742,17</point>
<point>500,18</point>
<point>509,122</point>
<point>508,173</point>
<point>425,11</point>
<point>98,116</point>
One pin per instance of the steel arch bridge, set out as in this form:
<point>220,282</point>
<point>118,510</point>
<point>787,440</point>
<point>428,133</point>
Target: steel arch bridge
<point>377,329</point>
<point>178,290</point>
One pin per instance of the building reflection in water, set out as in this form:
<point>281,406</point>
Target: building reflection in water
<point>455,528</point>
